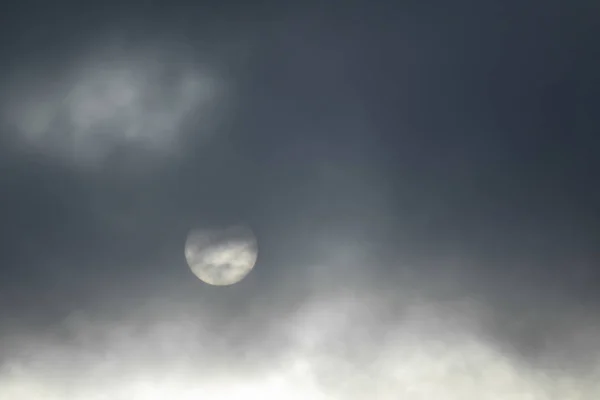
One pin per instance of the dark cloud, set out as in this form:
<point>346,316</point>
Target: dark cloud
<point>420,180</point>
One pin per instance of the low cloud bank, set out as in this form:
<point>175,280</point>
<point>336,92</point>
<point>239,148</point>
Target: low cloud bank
<point>347,346</point>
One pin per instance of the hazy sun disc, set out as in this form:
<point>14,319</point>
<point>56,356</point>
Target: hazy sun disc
<point>221,257</point>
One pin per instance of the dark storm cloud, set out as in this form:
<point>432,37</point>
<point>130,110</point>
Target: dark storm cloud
<point>419,180</point>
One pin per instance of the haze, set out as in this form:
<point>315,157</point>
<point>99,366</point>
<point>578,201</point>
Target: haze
<point>422,180</point>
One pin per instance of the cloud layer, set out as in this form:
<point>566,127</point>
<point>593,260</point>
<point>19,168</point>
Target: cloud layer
<point>343,346</point>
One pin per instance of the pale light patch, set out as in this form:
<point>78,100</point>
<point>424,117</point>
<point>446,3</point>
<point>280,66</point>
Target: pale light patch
<point>114,97</point>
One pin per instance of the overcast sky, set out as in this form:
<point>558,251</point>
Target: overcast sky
<point>422,180</point>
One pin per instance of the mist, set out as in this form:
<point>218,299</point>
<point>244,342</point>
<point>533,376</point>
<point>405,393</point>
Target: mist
<point>364,342</point>
<point>421,185</point>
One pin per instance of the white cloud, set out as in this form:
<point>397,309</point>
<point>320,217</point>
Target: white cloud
<point>429,354</point>
<point>115,96</point>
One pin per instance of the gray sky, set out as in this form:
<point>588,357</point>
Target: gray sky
<point>421,180</point>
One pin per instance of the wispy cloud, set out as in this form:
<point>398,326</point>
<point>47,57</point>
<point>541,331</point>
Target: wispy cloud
<point>116,95</point>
